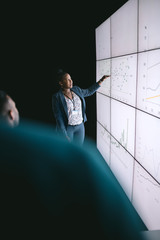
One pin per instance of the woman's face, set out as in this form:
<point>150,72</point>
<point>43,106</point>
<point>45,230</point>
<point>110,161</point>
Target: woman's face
<point>66,82</point>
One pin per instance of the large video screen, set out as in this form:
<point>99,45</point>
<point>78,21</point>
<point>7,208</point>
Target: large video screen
<point>128,103</point>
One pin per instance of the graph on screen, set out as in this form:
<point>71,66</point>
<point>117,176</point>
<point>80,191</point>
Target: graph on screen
<point>123,78</point>
<point>148,16</point>
<point>122,166</point>
<point>149,82</point>
<point>103,142</point>
<point>123,124</point>
<point>103,68</point>
<point>128,103</point>
<point>146,197</point>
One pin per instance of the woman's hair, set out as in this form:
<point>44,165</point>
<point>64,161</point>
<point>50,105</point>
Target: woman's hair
<point>60,74</point>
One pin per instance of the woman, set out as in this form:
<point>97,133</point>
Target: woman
<point>69,106</point>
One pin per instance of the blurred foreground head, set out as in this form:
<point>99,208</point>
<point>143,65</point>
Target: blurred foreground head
<point>8,111</point>
<point>53,189</point>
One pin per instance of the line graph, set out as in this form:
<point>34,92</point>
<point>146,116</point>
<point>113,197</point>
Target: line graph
<point>146,154</point>
<point>148,97</point>
<point>153,65</point>
<point>145,187</point>
<point>154,89</point>
<point>153,97</point>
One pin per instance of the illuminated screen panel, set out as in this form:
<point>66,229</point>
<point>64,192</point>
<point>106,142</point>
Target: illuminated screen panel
<point>103,110</point>
<point>148,143</point>
<point>146,198</point>
<point>130,140</point>
<point>103,68</point>
<point>148,92</point>
<point>124,29</point>
<point>123,124</point>
<point>122,166</point>
<point>149,29</point>
<point>103,40</point>
<point>103,142</point>
<point>123,79</point>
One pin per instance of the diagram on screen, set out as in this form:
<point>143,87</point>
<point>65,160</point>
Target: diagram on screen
<point>122,166</point>
<point>149,82</point>
<point>103,68</point>
<point>147,149</point>
<point>103,142</point>
<point>149,31</point>
<point>146,188</point>
<point>123,124</point>
<point>123,79</point>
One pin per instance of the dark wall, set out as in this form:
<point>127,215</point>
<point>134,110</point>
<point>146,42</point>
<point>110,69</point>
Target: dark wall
<point>38,39</point>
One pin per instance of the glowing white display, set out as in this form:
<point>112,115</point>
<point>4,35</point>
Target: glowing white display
<point>128,103</point>
<point>103,40</point>
<point>123,78</point>
<point>148,97</point>
<point>149,19</point>
<point>103,68</point>
<point>146,197</point>
<point>124,29</point>
<point>148,143</point>
<point>103,110</point>
<point>122,166</point>
<point>103,142</point>
<point>123,124</point>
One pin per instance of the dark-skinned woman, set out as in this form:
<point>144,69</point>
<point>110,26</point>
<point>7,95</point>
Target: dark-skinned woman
<point>69,106</point>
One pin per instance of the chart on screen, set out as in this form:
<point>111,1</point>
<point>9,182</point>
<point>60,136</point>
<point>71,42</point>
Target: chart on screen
<point>148,93</point>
